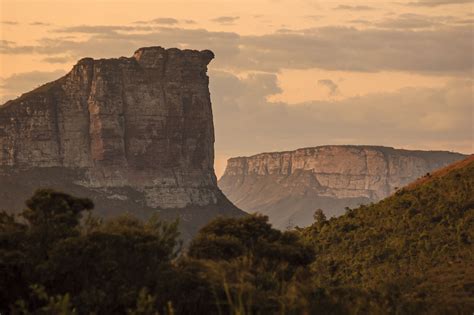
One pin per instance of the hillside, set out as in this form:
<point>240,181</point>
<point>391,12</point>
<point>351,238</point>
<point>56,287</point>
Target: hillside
<point>416,245</point>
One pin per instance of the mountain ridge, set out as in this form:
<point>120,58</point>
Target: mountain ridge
<point>142,123</point>
<point>374,146</point>
<point>290,185</point>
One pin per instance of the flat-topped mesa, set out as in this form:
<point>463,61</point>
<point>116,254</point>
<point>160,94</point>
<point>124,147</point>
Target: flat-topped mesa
<point>143,122</point>
<point>373,170</point>
<point>329,177</point>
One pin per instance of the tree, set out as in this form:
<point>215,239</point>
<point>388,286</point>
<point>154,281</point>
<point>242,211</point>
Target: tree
<point>319,216</point>
<point>251,267</point>
<point>100,267</point>
<point>52,209</point>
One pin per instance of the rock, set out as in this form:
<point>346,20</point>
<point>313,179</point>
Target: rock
<point>142,123</point>
<point>290,186</point>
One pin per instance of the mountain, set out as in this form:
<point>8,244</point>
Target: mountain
<point>415,247</point>
<point>134,134</point>
<point>290,186</point>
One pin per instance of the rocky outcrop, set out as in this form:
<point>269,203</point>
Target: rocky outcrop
<point>289,186</point>
<point>142,123</point>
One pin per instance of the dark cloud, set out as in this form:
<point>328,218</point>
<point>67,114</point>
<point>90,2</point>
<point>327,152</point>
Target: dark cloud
<point>226,19</point>
<point>354,8</point>
<point>190,22</point>
<point>411,117</point>
<point>442,49</point>
<point>19,83</point>
<point>435,3</point>
<point>332,87</point>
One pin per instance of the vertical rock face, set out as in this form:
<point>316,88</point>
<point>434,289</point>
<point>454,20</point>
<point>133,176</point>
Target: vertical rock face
<point>143,123</point>
<point>289,186</point>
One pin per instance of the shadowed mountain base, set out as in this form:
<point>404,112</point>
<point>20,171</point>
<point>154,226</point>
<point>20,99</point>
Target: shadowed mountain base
<point>19,186</point>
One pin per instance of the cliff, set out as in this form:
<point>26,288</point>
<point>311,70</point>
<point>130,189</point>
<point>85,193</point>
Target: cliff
<point>141,124</point>
<point>290,186</point>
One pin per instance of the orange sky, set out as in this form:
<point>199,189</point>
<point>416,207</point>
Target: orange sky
<point>308,72</point>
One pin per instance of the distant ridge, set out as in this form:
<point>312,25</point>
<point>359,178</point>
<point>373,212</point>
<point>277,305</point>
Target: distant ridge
<point>289,186</point>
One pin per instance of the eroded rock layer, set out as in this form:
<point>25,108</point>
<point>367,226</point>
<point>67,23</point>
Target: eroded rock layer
<point>142,123</point>
<point>289,186</point>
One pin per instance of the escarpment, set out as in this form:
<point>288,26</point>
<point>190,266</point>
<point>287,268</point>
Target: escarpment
<point>290,186</point>
<point>135,132</point>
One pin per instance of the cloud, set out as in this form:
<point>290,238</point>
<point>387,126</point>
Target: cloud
<point>6,43</point>
<point>39,24</point>
<point>436,3</point>
<point>411,117</point>
<point>464,21</point>
<point>101,29</point>
<point>330,85</point>
<point>19,83</point>
<point>354,8</point>
<point>109,41</point>
<point>415,21</point>
<point>167,21</point>
<point>225,19</point>
<point>360,21</point>
<point>9,22</point>
<point>442,49</point>
<point>57,59</point>
<point>314,17</point>
<point>163,21</point>
<point>10,47</point>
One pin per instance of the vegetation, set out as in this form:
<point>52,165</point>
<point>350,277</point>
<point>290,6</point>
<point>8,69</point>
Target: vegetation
<point>411,253</point>
<point>414,249</point>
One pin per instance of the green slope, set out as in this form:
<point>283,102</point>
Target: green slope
<point>415,246</point>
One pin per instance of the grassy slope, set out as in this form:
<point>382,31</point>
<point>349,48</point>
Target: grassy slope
<point>418,242</point>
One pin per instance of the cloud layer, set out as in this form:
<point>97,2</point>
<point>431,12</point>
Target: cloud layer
<point>445,50</point>
<point>436,3</point>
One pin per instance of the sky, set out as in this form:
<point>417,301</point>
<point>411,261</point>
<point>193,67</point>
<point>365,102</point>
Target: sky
<point>287,73</point>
